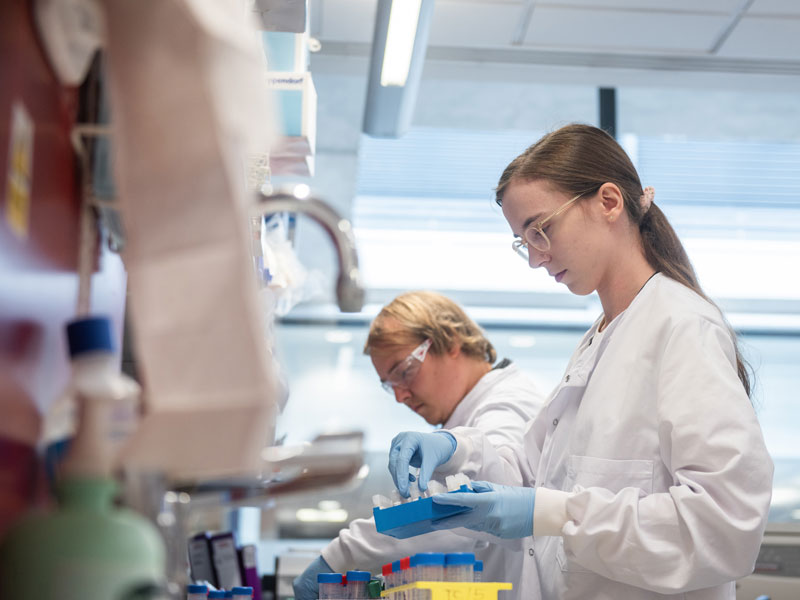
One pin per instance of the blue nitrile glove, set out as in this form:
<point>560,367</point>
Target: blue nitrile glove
<point>424,450</point>
<point>305,585</point>
<point>502,510</point>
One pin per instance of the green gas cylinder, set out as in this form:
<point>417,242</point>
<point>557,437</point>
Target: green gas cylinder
<point>87,549</point>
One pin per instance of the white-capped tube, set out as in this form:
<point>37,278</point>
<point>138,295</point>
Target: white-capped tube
<point>381,501</point>
<point>462,479</point>
<point>413,490</point>
<point>436,487</point>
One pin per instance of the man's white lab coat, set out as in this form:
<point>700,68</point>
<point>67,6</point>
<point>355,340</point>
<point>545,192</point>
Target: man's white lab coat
<point>500,405</point>
<point>652,478</point>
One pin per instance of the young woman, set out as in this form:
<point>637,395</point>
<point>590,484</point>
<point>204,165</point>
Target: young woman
<point>646,474</point>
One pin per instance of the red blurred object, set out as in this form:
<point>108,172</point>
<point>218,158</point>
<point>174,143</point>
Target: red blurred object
<point>38,280</point>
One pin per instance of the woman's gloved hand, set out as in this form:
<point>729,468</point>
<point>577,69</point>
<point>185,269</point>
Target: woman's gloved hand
<point>502,510</point>
<point>305,585</point>
<point>424,450</point>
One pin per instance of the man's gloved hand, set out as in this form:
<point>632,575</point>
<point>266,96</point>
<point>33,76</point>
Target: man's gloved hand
<point>424,450</point>
<point>502,510</point>
<point>305,585</point>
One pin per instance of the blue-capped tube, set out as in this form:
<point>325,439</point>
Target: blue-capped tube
<point>357,584</point>
<point>458,566</point>
<point>330,586</point>
<point>477,571</point>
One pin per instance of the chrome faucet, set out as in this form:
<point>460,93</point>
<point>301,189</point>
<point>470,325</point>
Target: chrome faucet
<point>349,291</point>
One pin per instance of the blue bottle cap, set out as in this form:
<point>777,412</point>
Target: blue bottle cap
<point>197,589</point>
<point>242,590</point>
<point>478,566</point>
<point>396,566</point>
<point>358,576</point>
<point>89,335</point>
<point>329,578</point>
<point>219,594</point>
<point>459,558</point>
<point>430,558</point>
<point>228,594</point>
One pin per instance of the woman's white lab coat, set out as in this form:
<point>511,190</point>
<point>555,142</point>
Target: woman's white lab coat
<point>652,475</point>
<point>501,404</point>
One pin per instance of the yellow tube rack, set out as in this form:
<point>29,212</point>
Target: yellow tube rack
<point>454,590</point>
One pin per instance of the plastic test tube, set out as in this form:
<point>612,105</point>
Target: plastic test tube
<point>430,566</point>
<point>388,579</point>
<point>196,592</point>
<point>477,571</point>
<point>412,577</point>
<point>241,592</point>
<point>458,566</point>
<point>405,570</point>
<point>406,576</point>
<point>357,584</point>
<point>330,585</point>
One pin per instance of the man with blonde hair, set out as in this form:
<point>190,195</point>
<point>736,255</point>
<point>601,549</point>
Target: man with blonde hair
<point>437,361</point>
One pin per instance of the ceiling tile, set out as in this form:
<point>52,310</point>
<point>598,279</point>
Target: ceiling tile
<point>763,37</point>
<point>623,31</point>
<point>346,20</point>
<point>692,6</point>
<point>775,7</point>
<point>474,23</point>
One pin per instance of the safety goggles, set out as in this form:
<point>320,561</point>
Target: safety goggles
<point>403,373</point>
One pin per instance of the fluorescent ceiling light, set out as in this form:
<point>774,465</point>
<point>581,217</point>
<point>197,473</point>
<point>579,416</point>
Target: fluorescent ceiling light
<point>402,30</point>
<point>399,41</point>
<point>313,515</point>
<point>338,336</point>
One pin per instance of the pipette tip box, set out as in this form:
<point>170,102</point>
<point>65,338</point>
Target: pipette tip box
<point>414,517</point>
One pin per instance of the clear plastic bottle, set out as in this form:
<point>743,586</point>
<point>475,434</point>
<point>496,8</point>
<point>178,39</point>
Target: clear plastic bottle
<point>94,368</point>
<point>357,584</point>
<point>107,400</point>
<point>458,566</point>
<point>477,571</point>
<point>196,592</point>
<point>330,586</point>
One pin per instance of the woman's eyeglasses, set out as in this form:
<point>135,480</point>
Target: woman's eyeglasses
<point>535,237</point>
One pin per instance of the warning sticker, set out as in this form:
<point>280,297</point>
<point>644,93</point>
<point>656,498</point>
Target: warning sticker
<point>20,171</point>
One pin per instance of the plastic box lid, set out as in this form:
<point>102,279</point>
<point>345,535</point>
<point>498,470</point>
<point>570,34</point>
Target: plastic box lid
<point>459,558</point>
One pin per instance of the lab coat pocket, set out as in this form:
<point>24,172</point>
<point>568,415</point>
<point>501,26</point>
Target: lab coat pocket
<point>566,564</point>
<point>610,474</point>
<point>613,475</point>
